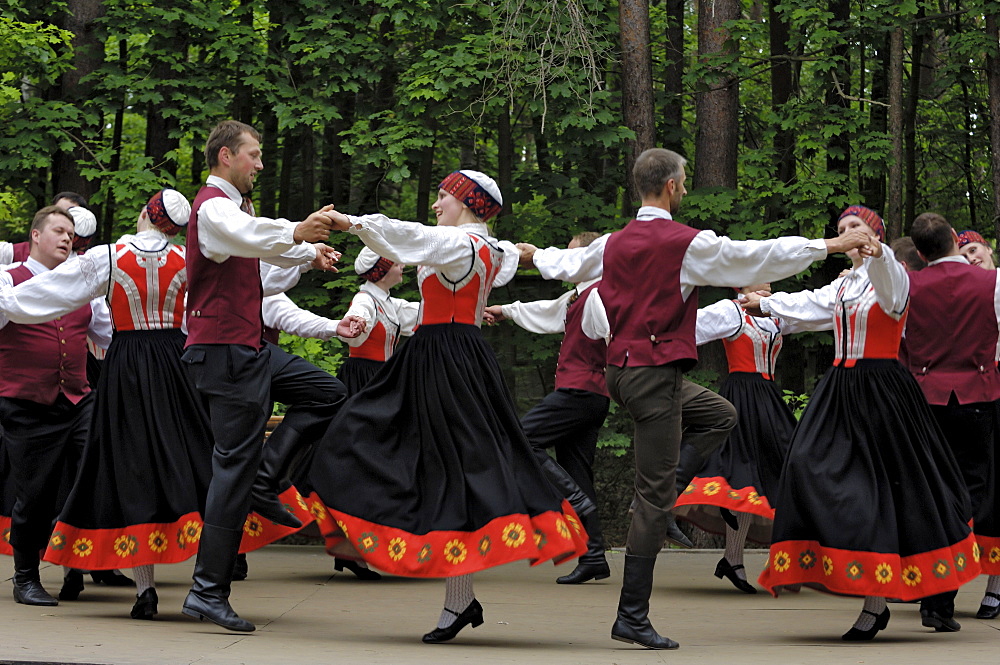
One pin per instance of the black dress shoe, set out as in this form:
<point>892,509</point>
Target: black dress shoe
<point>723,569</point>
<point>677,537</point>
<point>31,592</point>
<point>856,635</point>
<point>988,611</point>
<point>269,507</point>
<point>584,572</point>
<point>111,578</point>
<point>242,569</point>
<point>72,585</point>
<point>361,572</point>
<point>939,622</point>
<point>145,605</point>
<point>472,614</point>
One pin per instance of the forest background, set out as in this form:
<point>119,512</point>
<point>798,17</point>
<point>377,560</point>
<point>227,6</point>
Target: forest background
<point>788,110</point>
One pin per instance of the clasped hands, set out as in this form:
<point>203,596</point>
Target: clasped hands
<point>315,229</point>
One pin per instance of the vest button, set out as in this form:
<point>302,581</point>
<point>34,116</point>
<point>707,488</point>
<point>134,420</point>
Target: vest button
<point>62,380</point>
<point>923,371</point>
<point>62,341</point>
<point>652,338</point>
<point>61,328</point>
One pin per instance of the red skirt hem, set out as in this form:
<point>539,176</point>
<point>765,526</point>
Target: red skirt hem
<point>551,536</point>
<point>158,543</point>
<point>888,575</point>
<point>715,491</point>
<point>989,554</point>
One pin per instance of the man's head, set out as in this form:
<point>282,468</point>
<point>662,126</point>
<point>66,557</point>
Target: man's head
<point>67,200</point>
<point>583,239</point>
<point>933,236</point>
<point>50,238</point>
<point>233,153</point>
<point>907,254</point>
<point>659,176</point>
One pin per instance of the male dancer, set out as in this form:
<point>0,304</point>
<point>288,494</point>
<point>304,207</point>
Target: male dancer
<point>228,360</point>
<point>951,341</point>
<point>45,401</point>
<point>652,342</point>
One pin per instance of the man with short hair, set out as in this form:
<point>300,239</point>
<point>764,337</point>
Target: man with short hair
<point>652,342</point>
<point>227,358</point>
<point>45,401</point>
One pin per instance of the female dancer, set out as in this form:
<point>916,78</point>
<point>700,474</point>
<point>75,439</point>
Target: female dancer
<point>451,485</point>
<point>871,501</point>
<point>741,474</point>
<point>976,250</point>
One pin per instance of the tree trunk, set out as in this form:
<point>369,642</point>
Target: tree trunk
<point>242,93</point>
<point>873,192</point>
<point>782,87</point>
<point>637,84</point>
<point>993,81</point>
<point>894,210</point>
<point>673,72</point>
<point>716,111</point>
<point>305,166</point>
<point>116,148</point>
<point>910,122</point>
<point>839,158</point>
<point>505,161</point>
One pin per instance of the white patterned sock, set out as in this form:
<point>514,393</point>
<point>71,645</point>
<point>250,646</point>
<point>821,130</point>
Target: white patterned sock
<point>458,595</point>
<point>143,578</point>
<point>992,586</point>
<point>874,604</point>
<point>735,540</point>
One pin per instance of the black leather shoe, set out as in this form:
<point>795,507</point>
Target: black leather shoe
<point>269,507</point>
<point>361,572</point>
<point>987,611</point>
<point>939,622</point>
<point>645,636</point>
<point>145,604</point>
<point>242,569</point>
<point>216,610</point>
<point>633,625</point>
<point>111,578</point>
<point>31,592</point>
<point>472,614</point>
<point>723,569</point>
<point>72,585</point>
<point>856,635</point>
<point>584,572</point>
<point>677,537</point>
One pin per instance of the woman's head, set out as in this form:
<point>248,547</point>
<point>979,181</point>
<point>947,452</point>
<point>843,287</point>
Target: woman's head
<point>976,250</point>
<point>858,217</point>
<point>378,269</point>
<point>466,197</point>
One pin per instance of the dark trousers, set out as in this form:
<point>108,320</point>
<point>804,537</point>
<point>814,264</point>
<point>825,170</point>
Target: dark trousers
<point>968,429</point>
<point>655,398</point>
<point>569,420</point>
<point>706,420</point>
<point>44,445</point>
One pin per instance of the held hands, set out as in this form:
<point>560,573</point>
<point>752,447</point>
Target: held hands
<point>872,248</point>
<point>326,256</point>
<point>527,254</point>
<point>316,227</point>
<point>751,303</point>
<point>493,315</point>
<point>351,326</point>
<point>848,241</point>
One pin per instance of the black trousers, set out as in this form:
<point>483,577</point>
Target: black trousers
<point>969,431</point>
<point>569,421</point>
<point>238,384</point>
<point>44,444</point>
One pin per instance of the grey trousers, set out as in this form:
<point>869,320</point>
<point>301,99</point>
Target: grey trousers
<point>665,408</point>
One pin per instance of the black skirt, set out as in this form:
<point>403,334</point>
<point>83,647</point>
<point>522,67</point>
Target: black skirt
<point>741,475</point>
<point>355,373</point>
<point>140,493</point>
<point>871,501</point>
<point>427,472</point>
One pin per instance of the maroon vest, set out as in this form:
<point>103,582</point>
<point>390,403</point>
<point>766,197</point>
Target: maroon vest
<point>951,333</point>
<point>224,299</point>
<point>271,335</point>
<point>641,288</point>
<point>21,251</point>
<point>581,359</point>
<point>40,360</point>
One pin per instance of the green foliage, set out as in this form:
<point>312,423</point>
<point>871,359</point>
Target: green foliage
<point>797,403</point>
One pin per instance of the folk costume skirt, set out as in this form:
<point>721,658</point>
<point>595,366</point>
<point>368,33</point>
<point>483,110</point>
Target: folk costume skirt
<point>740,475</point>
<point>871,501</point>
<point>140,493</point>
<point>988,529</point>
<point>427,472</point>
<point>355,373</point>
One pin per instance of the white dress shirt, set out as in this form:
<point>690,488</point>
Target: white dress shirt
<point>281,313</point>
<point>6,253</point>
<point>544,316</point>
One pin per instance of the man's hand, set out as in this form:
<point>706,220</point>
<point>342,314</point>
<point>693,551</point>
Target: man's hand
<point>493,315</point>
<point>872,248</point>
<point>751,303</point>
<point>527,254</point>
<point>845,243</point>
<point>314,228</point>
<point>326,256</point>
<point>351,326</point>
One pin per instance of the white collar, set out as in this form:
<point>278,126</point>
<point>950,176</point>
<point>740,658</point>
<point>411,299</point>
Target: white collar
<point>652,212</point>
<point>36,267</point>
<point>952,258</point>
<point>228,188</point>
<point>375,290</point>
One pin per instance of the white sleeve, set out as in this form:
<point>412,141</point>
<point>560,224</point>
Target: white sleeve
<point>412,243</point>
<point>70,286</point>
<point>540,316</point>
<point>100,329</point>
<point>363,305</point>
<point>224,230</point>
<point>511,259</point>
<point>408,312</point>
<point>891,283</point>
<point>594,322</point>
<point>277,280</point>
<point>717,321</point>
<point>281,313</point>
<point>713,260</point>
<point>804,310</point>
<point>572,265</point>
<point>6,253</point>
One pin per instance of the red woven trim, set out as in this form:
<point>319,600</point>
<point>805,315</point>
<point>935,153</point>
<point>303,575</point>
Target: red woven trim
<point>149,544</point>
<point>5,547</point>
<point>870,573</point>
<point>715,491</point>
<point>989,554</point>
<point>555,536</point>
